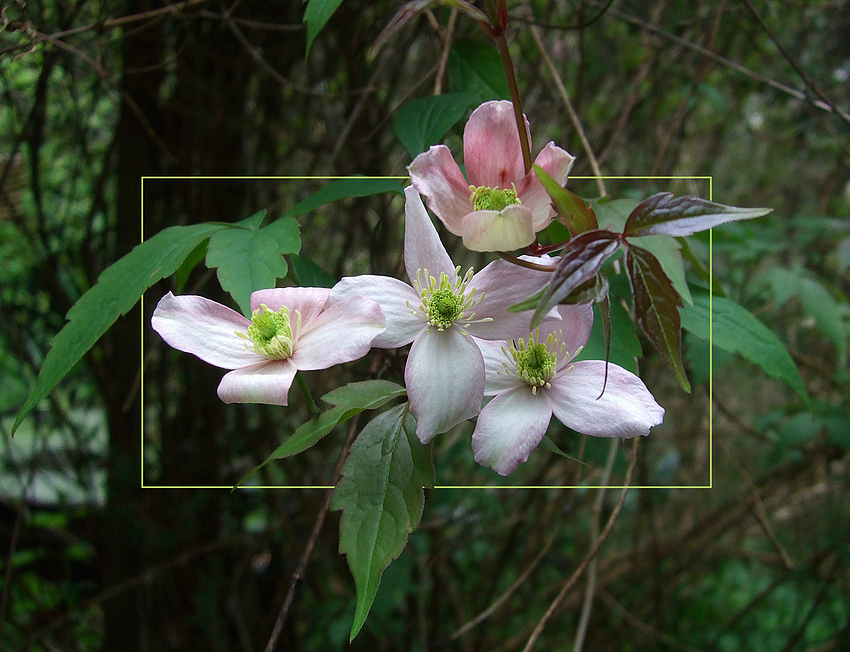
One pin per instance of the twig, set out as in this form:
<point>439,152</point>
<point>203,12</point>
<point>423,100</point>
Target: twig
<point>565,98</point>
<point>590,555</point>
<point>298,574</point>
<point>444,55</point>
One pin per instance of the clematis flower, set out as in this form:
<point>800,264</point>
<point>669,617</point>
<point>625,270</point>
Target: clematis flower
<point>444,374</point>
<point>534,378</point>
<point>501,207</point>
<point>290,329</point>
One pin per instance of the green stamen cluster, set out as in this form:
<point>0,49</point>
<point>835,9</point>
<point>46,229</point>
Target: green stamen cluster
<point>271,332</point>
<point>444,302</point>
<point>484,198</point>
<point>536,362</point>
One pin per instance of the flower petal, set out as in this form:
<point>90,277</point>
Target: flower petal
<point>497,379</point>
<point>574,329</point>
<point>504,285</point>
<point>557,162</point>
<point>445,381</point>
<point>267,382</point>
<point>509,428</point>
<point>491,149</point>
<point>342,333</point>
<point>308,301</point>
<point>422,246</point>
<point>503,230</point>
<point>626,409</point>
<point>393,296</point>
<point>205,329</point>
<point>436,175</point>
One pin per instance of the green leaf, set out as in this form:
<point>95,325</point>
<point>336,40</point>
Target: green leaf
<point>625,346</point>
<point>316,15</point>
<point>195,256</point>
<point>366,394</point>
<point>477,68</point>
<point>736,330</point>
<point>250,260</point>
<point>547,444</point>
<point>656,304</point>
<point>116,292</point>
<point>309,274</point>
<point>381,497</point>
<point>575,213</point>
<point>342,188</point>
<point>423,122</point>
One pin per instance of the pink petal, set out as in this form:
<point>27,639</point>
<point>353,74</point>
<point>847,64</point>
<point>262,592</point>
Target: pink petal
<point>445,381</point>
<point>503,230</point>
<point>573,329</point>
<point>557,162</point>
<point>509,428</point>
<point>626,409</point>
<point>491,148</point>
<point>436,175</point>
<point>342,333</point>
<point>504,285</point>
<point>205,329</point>
<point>267,382</point>
<point>398,301</point>
<point>308,301</point>
<point>497,379</point>
<point>422,246</point>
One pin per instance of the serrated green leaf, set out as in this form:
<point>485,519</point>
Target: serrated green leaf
<point>249,260</point>
<point>316,15</point>
<point>366,394</point>
<point>182,274</point>
<point>423,122</point>
<point>736,330</point>
<point>381,497</point>
<point>477,68</point>
<point>343,188</point>
<point>252,222</point>
<point>309,274</point>
<point>117,290</point>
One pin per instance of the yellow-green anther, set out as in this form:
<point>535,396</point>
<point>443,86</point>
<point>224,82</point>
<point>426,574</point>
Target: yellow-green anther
<point>484,198</point>
<point>444,306</point>
<point>271,332</point>
<point>445,303</point>
<point>535,365</point>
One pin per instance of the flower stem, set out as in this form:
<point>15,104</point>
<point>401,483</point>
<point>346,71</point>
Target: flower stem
<point>302,385</point>
<point>524,263</point>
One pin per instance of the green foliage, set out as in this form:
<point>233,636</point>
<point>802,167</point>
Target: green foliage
<point>625,346</point>
<point>317,13</point>
<point>310,274</point>
<point>381,497</point>
<point>344,188</point>
<point>250,258</point>
<point>477,68</point>
<point>423,122</point>
<point>735,329</point>
<point>116,292</point>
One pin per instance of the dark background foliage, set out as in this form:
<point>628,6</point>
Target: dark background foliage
<point>97,94</point>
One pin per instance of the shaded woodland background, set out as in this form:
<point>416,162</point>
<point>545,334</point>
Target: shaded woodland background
<point>96,95</point>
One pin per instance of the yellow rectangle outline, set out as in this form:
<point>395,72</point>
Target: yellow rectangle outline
<point>296,178</point>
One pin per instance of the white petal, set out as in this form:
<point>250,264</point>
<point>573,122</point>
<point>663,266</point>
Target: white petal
<point>509,428</point>
<point>422,246</point>
<point>503,230</point>
<point>393,296</point>
<point>573,329</point>
<point>205,329</point>
<point>495,359</point>
<point>445,381</point>
<point>343,332</point>
<point>308,301</point>
<point>267,382</point>
<point>626,409</point>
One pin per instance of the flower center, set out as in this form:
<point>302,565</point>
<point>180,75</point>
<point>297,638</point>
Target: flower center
<point>484,198</point>
<point>271,332</point>
<point>536,362</point>
<point>443,302</point>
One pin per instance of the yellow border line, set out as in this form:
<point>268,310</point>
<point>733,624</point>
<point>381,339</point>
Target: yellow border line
<point>498,487</point>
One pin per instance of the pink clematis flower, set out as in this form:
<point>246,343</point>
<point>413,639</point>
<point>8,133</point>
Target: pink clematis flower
<point>533,378</point>
<point>290,329</point>
<point>501,207</point>
<point>444,374</point>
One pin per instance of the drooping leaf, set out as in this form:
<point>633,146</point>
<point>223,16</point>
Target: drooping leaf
<point>547,444</point>
<point>625,345</point>
<point>477,68</point>
<point>574,212</point>
<point>668,251</point>
<point>581,259</point>
<point>423,122</point>
<point>250,259</point>
<point>116,292</point>
<point>349,187</point>
<point>381,497</point>
<point>735,329</point>
<point>310,274</point>
<point>656,305</point>
<point>666,214</point>
<point>316,15</point>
